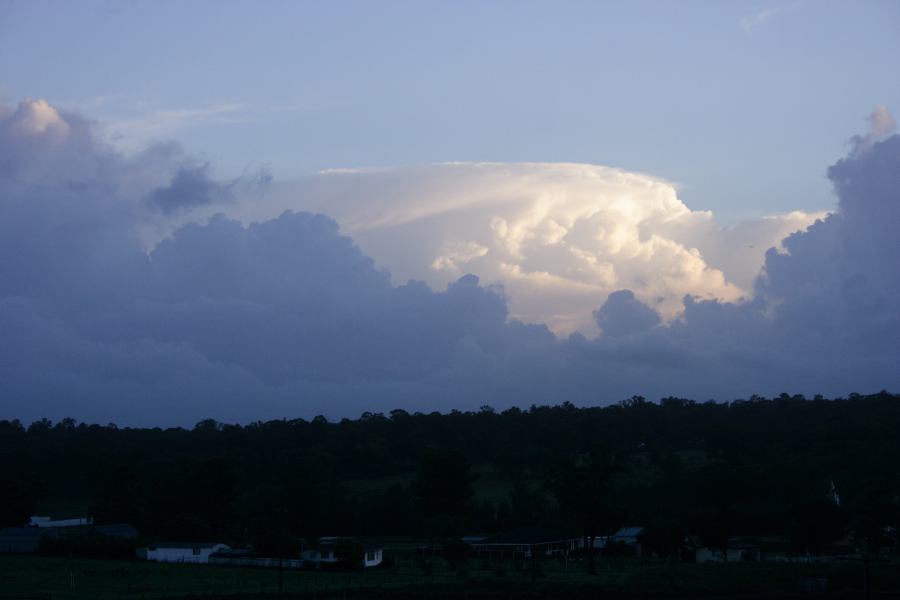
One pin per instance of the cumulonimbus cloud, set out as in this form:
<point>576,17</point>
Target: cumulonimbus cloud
<point>123,298</point>
<point>558,237</point>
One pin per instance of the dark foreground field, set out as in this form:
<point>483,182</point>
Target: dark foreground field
<point>49,578</point>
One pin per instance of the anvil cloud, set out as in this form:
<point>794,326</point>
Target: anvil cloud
<point>558,237</point>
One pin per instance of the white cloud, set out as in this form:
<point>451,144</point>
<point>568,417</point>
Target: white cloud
<point>36,117</point>
<point>135,131</point>
<point>558,237</point>
<point>882,121</point>
<point>881,125</point>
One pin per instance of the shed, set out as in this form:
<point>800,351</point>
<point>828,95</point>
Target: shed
<point>519,543</point>
<point>181,552</point>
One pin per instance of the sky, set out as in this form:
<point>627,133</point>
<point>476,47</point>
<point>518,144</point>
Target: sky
<point>256,210</point>
<point>707,95</point>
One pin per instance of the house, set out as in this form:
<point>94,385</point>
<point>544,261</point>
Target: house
<point>48,522</point>
<point>739,549</point>
<point>22,540</point>
<point>180,552</point>
<point>373,557</point>
<point>326,552</point>
<point>520,543</point>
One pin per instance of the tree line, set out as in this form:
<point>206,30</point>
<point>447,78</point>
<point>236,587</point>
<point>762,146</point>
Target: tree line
<point>809,470</point>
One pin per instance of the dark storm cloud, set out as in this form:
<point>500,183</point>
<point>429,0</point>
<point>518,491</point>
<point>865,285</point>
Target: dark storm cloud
<point>622,314</point>
<point>287,317</point>
<point>824,316</point>
<point>190,187</point>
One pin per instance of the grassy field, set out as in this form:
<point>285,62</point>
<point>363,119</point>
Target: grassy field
<point>49,578</point>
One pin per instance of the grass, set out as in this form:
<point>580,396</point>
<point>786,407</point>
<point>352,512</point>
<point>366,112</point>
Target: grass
<point>47,577</point>
<point>129,580</point>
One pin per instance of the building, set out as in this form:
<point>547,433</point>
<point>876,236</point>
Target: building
<point>181,552</point>
<point>48,522</point>
<point>628,535</point>
<point>520,543</point>
<point>739,549</point>
<point>242,557</point>
<point>374,556</point>
<point>326,552</point>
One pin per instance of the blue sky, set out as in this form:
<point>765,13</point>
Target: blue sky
<point>438,205</point>
<point>741,104</point>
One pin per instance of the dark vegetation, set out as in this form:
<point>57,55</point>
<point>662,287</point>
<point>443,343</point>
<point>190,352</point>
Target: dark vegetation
<point>714,470</point>
<point>49,578</point>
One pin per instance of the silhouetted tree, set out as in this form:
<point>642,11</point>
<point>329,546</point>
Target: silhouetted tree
<point>662,537</point>
<point>443,484</point>
<point>581,484</point>
<point>815,521</point>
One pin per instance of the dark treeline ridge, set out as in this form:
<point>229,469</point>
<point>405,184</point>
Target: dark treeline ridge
<point>748,467</point>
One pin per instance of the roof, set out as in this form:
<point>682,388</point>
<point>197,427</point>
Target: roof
<point>186,545</point>
<point>530,535</point>
<point>632,531</point>
<point>330,541</point>
<point>233,553</point>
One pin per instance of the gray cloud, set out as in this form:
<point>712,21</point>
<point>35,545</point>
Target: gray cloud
<point>823,315</point>
<point>622,314</point>
<point>288,317</point>
<point>190,187</point>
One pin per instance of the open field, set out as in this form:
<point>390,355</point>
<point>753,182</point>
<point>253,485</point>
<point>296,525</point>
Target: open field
<point>49,578</point>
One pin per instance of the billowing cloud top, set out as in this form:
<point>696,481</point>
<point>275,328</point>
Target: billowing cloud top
<point>123,298</point>
<point>558,237</point>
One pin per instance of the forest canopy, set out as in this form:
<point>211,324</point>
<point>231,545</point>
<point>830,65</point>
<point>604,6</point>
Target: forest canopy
<point>760,466</point>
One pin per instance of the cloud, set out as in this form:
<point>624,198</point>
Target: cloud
<point>881,124</point>
<point>758,19</point>
<point>118,307</point>
<point>823,312</point>
<point>622,314</point>
<point>133,131</point>
<point>190,187</point>
<point>130,123</point>
<point>558,237</point>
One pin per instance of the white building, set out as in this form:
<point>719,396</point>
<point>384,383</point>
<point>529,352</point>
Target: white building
<point>374,556</point>
<point>48,522</point>
<point>181,552</point>
<point>324,552</point>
